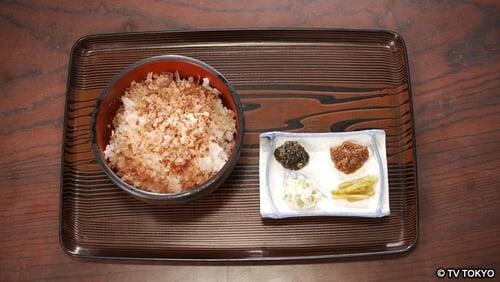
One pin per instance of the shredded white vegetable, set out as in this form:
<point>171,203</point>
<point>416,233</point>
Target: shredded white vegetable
<point>300,193</point>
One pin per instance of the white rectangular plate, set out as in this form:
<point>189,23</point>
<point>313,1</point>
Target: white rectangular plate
<point>322,172</point>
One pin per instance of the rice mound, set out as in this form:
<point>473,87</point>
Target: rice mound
<point>170,134</point>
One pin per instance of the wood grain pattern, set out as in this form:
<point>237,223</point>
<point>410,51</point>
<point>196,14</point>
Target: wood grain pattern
<point>454,64</point>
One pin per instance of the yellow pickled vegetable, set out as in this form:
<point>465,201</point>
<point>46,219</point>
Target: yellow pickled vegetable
<point>356,190</point>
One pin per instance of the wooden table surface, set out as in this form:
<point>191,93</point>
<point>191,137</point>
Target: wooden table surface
<point>454,59</point>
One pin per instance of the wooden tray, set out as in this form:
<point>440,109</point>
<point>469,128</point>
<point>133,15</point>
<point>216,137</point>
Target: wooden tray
<point>288,80</point>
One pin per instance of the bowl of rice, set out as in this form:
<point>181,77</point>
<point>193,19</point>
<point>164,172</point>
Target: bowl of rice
<point>168,129</point>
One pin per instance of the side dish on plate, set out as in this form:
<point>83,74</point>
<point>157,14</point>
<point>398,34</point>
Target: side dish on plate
<point>291,155</point>
<point>357,189</point>
<point>348,157</point>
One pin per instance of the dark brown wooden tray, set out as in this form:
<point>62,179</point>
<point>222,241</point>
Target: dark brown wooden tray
<point>289,80</point>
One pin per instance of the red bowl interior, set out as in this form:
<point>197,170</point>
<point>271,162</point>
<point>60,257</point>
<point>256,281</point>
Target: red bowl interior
<point>111,101</point>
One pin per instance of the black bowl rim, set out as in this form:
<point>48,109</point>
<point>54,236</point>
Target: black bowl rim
<point>180,196</point>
